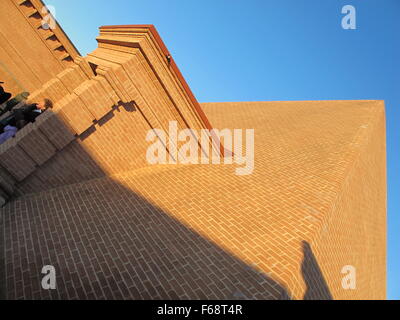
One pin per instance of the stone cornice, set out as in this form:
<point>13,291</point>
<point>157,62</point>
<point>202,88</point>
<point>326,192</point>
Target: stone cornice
<point>147,39</point>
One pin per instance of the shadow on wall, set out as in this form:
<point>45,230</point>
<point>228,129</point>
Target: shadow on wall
<point>108,242</point>
<point>3,294</point>
<point>49,154</point>
<point>317,288</point>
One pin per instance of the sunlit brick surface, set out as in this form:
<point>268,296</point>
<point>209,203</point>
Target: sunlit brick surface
<point>315,202</point>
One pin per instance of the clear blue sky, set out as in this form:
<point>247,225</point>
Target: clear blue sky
<point>237,50</point>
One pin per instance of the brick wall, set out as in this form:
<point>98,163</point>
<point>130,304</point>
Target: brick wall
<point>317,197</point>
<point>354,232</point>
<point>104,105</point>
<point>30,55</point>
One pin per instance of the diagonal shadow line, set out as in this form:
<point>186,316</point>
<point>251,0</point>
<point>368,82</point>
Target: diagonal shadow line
<point>316,285</point>
<point>2,260</point>
<point>125,247</point>
<point>108,242</point>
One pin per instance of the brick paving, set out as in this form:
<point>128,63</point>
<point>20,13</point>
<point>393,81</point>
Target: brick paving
<point>201,232</point>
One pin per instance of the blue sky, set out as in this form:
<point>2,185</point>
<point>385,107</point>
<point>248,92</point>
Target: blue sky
<point>236,50</point>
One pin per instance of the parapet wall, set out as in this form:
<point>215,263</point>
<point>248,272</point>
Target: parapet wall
<point>31,53</point>
<point>353,234</point>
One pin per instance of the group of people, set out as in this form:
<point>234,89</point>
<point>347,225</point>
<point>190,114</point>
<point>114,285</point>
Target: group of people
<point>18,117</point>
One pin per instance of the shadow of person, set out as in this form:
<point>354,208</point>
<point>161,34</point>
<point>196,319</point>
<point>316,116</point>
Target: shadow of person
<point>108,241</point>
<point>317,288</point>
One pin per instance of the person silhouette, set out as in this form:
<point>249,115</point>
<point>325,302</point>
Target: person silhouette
<point>317,287</point>
<point>4,96</point>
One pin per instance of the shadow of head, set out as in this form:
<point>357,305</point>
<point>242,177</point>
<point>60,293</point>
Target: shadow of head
<point>317,288</point>
<point>135,248</point>
<point>129,106</point>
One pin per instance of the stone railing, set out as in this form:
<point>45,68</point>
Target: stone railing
<point>80,98</point>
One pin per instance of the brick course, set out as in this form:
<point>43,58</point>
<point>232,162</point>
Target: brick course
<point>35,144</point>
<point>86,201</point>
<point>15,160</point>
<point>315,202</point>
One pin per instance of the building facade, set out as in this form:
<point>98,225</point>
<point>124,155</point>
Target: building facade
<point>79,194</point>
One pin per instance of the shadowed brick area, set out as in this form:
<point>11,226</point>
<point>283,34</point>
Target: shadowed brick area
<point>107,242</point>
<point>314,203</point>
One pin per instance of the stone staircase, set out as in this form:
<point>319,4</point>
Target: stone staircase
<point>80,99</point>
<point>104,105</point>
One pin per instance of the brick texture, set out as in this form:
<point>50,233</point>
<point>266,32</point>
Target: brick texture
<point>84,199</point>
<point>72,110</point>
<point>15,160</point>
<point>35,144</point>
<point>93,96</point>
<point>314,203</point>
<point>58,132</point>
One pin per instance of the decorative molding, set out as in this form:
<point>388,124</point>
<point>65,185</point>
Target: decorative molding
<point>126,38</point>
<point>55,39</point>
